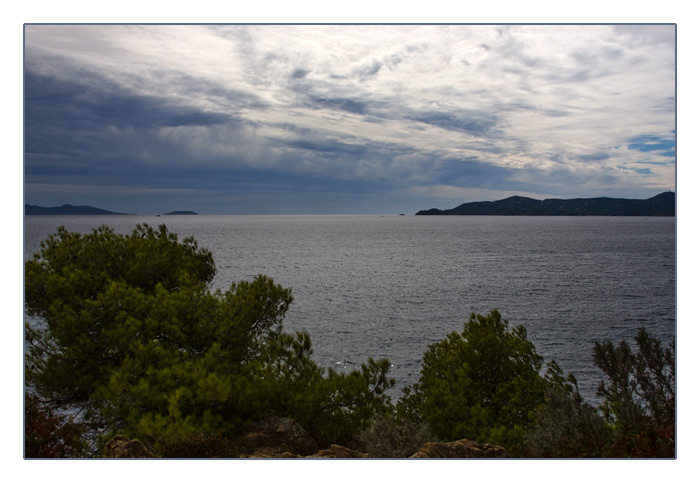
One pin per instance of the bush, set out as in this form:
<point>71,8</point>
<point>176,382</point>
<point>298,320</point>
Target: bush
<point>50,435</point>
<point>392,437</point>
<point>482,384</point>
<point>636,417</point>
<point>201,445</point>
<point>332,407</point>
<point>134,338</point>
<point>639,396</point>
<point>567,427</point>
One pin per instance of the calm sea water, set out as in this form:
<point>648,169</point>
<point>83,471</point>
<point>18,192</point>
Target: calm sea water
<point>387,286</point>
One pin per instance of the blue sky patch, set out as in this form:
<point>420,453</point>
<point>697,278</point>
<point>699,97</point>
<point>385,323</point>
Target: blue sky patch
<point>649,143</point>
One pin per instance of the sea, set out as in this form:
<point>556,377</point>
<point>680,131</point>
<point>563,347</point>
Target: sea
<point>389,286</point>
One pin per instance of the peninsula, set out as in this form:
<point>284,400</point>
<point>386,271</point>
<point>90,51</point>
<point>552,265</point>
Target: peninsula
<point>182,213</point>
<point>67,210</point>
<point>663,204</point>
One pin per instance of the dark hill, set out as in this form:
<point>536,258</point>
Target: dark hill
<point>663,204</point>
<point>67,210</point>
<point>181,213</point>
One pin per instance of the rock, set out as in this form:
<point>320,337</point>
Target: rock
<point>337,451</point>
<point>462,448</point>
<point>275,437</point>
<point>123,447</point>
<point>272,453</point>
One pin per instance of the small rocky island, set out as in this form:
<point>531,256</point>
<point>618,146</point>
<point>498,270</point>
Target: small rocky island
<point>663,204</point>
<point>182,213</point>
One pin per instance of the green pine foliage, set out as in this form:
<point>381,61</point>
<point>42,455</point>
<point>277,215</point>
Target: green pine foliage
<point>134,340</point>
<point>481,384</point>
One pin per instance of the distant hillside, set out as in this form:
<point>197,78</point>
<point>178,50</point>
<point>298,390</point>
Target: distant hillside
<point>181,213</point>
<point>67,210</point>
<point>663,204</point>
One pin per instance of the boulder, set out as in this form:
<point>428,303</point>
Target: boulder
<point>275,437</point>
<point>462,448</point>
<point>123,447</point>
<point>337,451</point>
<point>263,453</point>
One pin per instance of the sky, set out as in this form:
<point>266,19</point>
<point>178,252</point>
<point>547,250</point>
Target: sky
<point>344,119</point>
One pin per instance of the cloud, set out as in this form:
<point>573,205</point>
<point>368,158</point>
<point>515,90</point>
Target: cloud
<point>369,70</point>
<point>543,109</point>
<point>354,106</point>
<point>476,123</point>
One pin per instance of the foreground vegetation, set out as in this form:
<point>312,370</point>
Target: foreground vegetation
<point>136,343</point>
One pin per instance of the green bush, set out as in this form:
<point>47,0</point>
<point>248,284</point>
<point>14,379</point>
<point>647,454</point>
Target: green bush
<point>636,417</point>
<point>201,445</point>
<point>134,339</point>
<point>639,396</point>
<point>393,437</point>
<point>482,384</point>
<point>567,427</point>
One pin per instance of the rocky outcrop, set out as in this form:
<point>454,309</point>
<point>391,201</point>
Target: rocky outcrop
<point>462,448</point>
<point>283,438</point>
<point>278,438</point>
<point>337,451</point>
<point>123,447</point>
<point>264,453</point>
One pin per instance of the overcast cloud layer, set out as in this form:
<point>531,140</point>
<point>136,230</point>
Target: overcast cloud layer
<point>345,119</point>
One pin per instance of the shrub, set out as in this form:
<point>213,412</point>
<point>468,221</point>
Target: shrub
<point>134,338</point>
<point>50,435</point>
<point>639,396</point>
<point>392,437</point>
<point>636,417</point>
<point>201,445</point>
<point>482,384</point>
<point>567,427</point>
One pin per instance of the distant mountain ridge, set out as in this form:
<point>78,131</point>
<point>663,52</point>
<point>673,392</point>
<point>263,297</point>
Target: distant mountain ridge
<point>663,204</point>
<point>67,210</point>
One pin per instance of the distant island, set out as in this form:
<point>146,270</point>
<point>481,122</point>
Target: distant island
<point>663,204</point>
<point>182,213</point>
<point>67,210</point>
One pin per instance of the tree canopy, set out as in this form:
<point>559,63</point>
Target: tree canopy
<point>133,338</point>
<point>482,384</point>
